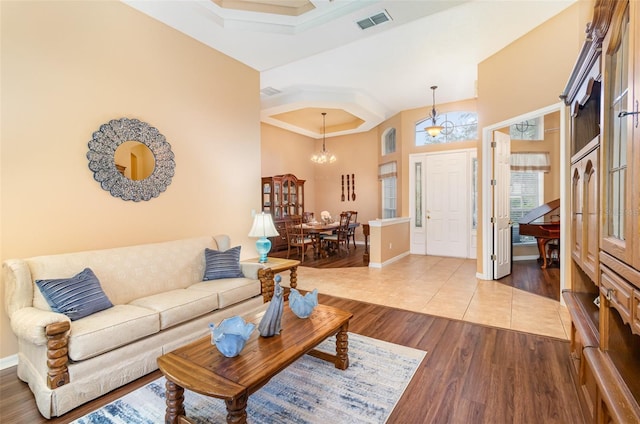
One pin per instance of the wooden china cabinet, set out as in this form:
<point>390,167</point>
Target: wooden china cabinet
<point>282,196</point>
<point>603,93</point>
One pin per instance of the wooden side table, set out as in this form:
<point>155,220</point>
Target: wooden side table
<point>272,267</point>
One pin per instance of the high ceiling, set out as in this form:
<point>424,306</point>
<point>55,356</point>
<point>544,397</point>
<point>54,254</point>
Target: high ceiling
<point>313,56</point>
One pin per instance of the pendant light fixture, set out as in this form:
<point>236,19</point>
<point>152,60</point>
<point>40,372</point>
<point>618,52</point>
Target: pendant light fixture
<point>324,156</point>
<point>434,129</point>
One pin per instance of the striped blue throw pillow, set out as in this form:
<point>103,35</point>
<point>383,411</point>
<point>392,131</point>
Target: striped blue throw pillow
<point>76,297</point>
<point>222,264</point>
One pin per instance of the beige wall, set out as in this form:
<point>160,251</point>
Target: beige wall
<point>285,152</point>
<point>528,75</point>
<point>357,154</point>
<point>67,68</point>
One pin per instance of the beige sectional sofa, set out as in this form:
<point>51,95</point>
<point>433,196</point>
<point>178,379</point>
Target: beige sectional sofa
<point>160,302</point>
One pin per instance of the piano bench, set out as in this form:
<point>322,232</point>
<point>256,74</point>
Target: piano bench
<point>553,252</point>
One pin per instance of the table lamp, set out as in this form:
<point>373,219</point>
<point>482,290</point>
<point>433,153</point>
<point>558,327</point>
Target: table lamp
<point>262,228</point>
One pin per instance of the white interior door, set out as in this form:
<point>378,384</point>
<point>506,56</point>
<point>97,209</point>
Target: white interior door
<point>501,207</point>
<point>447,204</point>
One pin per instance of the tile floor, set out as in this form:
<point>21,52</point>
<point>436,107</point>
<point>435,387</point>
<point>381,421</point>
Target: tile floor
<point>445,287</point>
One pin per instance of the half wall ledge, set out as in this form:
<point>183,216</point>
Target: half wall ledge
<point>390,240</point>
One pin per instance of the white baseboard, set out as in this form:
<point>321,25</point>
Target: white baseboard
<point>389,261</point>
<point>8,362</point>
<point>483,276</point>
<point>525,258</point>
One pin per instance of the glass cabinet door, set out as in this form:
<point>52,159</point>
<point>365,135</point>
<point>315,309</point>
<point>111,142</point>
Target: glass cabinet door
<point>267,206</point>
<point>277,199</point>
<point>618,191</point>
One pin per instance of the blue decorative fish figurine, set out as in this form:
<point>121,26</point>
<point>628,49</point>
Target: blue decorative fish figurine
<point>231,335</point>
<point>303,306</point>
<point>271,322</point>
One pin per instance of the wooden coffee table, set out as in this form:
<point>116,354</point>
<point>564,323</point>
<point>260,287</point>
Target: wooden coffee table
<point>199,366</point>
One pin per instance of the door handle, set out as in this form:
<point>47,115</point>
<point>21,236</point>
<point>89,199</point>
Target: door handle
<point>610,294</point>
<point>635,113</point>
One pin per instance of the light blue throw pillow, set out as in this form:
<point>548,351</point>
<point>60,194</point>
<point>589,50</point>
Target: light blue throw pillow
<point>222,264</point>
<point>76,297</point>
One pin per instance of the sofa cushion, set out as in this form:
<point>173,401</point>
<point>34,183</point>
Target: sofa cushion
<point>230,290</point>
<point>109,329</point>
<point>222,264</point>
<point>76,297</point>
<point>176,306</point>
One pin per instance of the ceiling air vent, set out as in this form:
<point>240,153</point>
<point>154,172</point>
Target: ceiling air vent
<point>270,91</point>
<point>377,19</point>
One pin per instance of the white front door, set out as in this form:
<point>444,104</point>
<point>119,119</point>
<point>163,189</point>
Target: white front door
<point>501,206</point>
<point>440,201</point>
<point>447,204</point>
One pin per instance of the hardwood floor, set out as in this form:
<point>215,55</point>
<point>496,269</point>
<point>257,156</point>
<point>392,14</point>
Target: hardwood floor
<point>528,276</point>
<point>471,373</point>
<point>352,259</point>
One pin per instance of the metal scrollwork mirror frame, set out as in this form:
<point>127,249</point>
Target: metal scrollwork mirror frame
<point>101,155</point>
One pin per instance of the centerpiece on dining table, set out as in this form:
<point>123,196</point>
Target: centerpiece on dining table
<point>325,216</point>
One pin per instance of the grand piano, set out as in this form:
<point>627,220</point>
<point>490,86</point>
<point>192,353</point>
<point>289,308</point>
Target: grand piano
<point>539,224</point>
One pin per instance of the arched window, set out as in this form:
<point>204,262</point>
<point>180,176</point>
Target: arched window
<point>531,129</point>
<point>458,126</point>
<point>389,141</point>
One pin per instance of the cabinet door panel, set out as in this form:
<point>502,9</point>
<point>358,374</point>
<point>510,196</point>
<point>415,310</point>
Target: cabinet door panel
<point>616,291</point>
<point>590,215</point>
<point>635,324</point>
<point>576,213</point>
<point>618,200</point>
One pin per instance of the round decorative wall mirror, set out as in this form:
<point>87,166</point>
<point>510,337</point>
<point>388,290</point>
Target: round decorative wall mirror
<point>134,160</point>
<point>131,159</point>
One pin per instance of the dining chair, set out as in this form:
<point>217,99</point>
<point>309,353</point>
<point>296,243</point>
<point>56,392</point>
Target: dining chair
<point>296,237</point>
<point>352,228</point>
<point>340,237</point>
<point>307,217</point>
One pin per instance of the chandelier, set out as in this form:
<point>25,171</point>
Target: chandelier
<point>434,129</point>
<point>324,156</point>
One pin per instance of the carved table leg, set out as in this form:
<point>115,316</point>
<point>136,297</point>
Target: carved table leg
<point>342,347</point>
<point>57,354</point>
<point>294,277</point>
<point>175,403</point>
<point>237,409</point>
<point>265,275</point>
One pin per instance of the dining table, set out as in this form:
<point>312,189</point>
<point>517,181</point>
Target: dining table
<point>316,229</point>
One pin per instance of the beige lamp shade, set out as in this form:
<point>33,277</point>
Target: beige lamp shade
<point>263,226</point>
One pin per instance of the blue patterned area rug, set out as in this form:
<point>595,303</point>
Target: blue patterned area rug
<point>308,391</point>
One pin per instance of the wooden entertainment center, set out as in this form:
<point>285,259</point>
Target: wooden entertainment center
<point>603,94</point>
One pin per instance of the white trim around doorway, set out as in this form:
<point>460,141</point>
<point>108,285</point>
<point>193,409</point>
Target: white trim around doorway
<point>487,203</point>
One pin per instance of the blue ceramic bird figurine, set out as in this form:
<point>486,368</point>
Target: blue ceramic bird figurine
<point>231,335</point>
<point>302,306</point>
